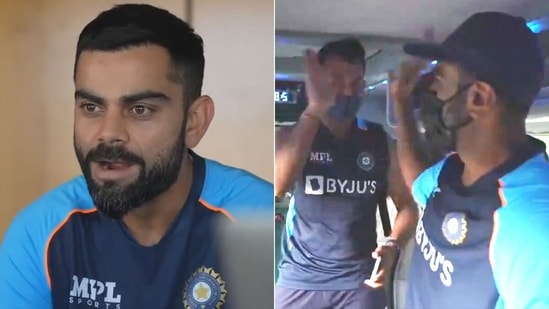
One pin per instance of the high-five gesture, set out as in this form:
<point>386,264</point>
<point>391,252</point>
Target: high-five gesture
<point>405,79</point>
<point>319,84</point>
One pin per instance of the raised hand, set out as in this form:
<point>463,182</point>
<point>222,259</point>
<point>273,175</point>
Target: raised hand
<point>403,82</point>
<point>319,85</point>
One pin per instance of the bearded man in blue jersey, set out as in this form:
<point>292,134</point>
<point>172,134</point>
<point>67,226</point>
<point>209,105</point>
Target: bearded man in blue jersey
<point>137,229</point>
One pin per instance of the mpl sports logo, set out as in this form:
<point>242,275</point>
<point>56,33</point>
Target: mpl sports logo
<point>94,293</point>
<point>320,185</point>
<point>317,157</point>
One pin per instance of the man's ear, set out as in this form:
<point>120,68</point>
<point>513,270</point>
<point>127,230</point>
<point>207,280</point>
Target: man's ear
<point>199,117</point>
<point>481,99</point>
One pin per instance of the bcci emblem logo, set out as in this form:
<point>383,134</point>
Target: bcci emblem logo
<point>204,290</point>
<point>454,228</point>
<point>365,161</point>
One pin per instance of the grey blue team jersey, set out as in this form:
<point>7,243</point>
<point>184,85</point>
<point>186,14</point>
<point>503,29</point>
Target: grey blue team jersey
<point>484,246</point>
<point>60,252</point>
<point>330,229</point>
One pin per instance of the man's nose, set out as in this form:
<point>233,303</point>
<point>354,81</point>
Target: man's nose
<point>113,129</point>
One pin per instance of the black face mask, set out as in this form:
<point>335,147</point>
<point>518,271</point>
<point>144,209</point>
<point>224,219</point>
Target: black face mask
<point>345,108</point>
<point>442,119</point>
<point>452,112</point>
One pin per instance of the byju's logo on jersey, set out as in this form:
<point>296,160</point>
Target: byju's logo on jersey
<point>434,259</point>
<point>365,161</point>
<point>94,293</point>
<point>204,290</point>
<point>319,185</point>
<point>320,157</point>
<point>314,185</point>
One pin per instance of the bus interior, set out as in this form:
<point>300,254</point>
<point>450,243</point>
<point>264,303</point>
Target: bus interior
<point>382,27</point>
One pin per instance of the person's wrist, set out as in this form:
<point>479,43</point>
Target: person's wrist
<point>312,112</point>
<point>392,242</point>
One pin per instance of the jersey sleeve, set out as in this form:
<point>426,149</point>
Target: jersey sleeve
<point>23,282</point>
<point>426,183</point>
<point>520,255</point>
<point>251,195</point>
<point>237,191</point>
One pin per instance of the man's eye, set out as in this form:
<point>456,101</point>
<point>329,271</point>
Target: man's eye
<point>140,110</point>
<point>90,108</point>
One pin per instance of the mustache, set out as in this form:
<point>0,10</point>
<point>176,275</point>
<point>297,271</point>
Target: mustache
<point>103,152</point>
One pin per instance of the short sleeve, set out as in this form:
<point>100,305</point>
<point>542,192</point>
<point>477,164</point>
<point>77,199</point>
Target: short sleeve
<point>520,255</point>
<point>237,191</point>
<point>23,282</point>
<point>426,183</point>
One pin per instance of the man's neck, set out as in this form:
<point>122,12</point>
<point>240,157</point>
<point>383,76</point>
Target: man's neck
<point>149,223</point>
<point>483,152</point>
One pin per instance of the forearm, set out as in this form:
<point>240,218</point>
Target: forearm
<point>405,224</point>
<point>409,152</point>
<point>292,154</point>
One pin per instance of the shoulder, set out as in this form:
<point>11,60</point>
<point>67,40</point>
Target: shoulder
<point>433,172</point>
<point>235,190</point>
<point>52,208</point>
<point>56,205</point>
<point>42,217</point>
<point>525,186</point>
<point>524,195</point>
<point>427,182</point>
<point>30,232</point>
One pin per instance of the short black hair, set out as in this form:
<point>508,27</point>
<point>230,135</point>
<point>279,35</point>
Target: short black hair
<point>132,25</point>
<point>349,49</point>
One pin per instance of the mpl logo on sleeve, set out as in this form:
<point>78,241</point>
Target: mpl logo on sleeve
<point>317,157</point>
<point>94,293</point>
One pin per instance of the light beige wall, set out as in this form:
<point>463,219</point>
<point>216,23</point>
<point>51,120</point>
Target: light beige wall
<point>36,103</point>
<point>239,49</point>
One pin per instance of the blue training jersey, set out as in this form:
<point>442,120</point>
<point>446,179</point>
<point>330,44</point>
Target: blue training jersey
<point>483,246</point>
<point>331,224</point>
<point>60,252</point>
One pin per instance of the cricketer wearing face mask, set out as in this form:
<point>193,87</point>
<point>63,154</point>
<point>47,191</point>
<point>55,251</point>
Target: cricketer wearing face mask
<point>339,172</point>
<point>481,241</point>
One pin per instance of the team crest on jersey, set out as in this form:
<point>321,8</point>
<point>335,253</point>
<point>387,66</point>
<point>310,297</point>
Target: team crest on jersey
<point>365,161</point>
<point>204,290</point>
<point>454,228</point>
